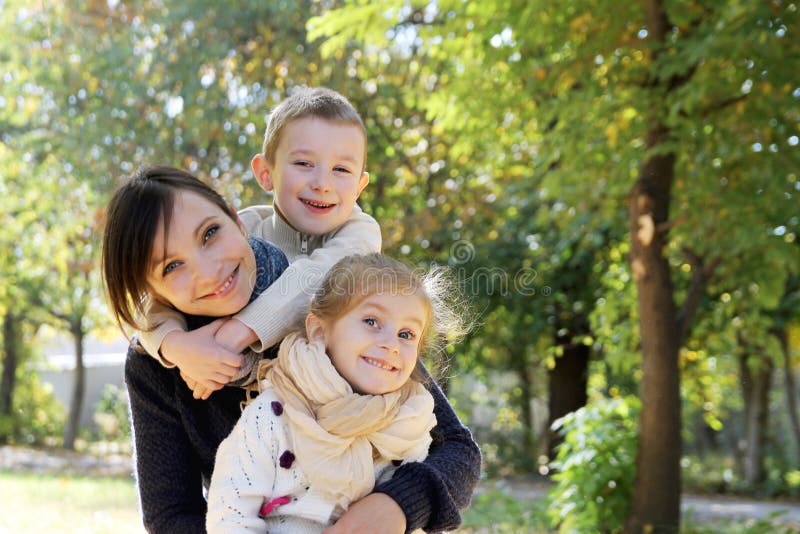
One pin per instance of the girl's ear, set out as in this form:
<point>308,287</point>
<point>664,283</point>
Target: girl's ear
<point>315,328</point>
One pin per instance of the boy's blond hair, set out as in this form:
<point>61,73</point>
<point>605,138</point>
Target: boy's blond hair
<point>315,102</point>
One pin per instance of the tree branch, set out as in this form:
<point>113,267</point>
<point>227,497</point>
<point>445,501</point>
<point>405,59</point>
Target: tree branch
<point>701,274</point>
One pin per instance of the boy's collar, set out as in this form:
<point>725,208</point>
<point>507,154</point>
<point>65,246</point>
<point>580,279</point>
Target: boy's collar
<point>283,218</point>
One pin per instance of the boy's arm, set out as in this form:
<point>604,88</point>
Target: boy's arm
<point>166,320</point>
<point>280,308</point>
<point>433,492</point>
<point>196,353</point>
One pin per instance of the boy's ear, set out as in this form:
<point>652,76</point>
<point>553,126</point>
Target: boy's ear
<point>362,182</point>
<point>315,328</point>
<point>262,171</point>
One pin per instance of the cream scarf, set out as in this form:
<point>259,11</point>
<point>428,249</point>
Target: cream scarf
<point>335,430</point>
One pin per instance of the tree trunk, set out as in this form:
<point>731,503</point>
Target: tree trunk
<point>11,358</point>
<point>790,391</point>
<point>528,446</point>
<point>755,390</point>
<point>567,383</point>
<point>655,506</point>
<point>78,390</point>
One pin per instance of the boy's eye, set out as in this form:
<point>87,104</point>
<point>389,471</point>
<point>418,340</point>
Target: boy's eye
<point>302,163</point>
<point>341,169</point>
<point>210,232</point>
<point>371,321</point>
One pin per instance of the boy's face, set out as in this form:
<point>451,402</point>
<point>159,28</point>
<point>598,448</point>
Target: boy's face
<point>317,176</point>
<point>209,267</point>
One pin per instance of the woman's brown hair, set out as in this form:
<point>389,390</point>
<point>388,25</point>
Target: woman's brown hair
<point>134,215</point>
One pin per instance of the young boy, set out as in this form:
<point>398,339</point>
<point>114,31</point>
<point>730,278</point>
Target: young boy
<point>313,160</point>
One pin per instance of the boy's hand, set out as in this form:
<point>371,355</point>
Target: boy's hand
<point>360,517</point>
<point>200,358</point>
<point>235,336</point>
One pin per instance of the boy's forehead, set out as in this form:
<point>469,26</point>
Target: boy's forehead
<point>311,133</point>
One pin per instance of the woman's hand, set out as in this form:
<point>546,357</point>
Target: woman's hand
<point>377,513</point>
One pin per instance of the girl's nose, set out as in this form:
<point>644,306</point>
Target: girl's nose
<point>390,343</point>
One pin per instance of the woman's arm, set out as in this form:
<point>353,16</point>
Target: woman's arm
<point>433,492</point>
<point>168,472</point>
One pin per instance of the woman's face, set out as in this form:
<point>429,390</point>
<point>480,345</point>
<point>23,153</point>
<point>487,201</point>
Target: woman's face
<point>205,266</point>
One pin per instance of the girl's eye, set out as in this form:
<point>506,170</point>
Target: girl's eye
<point>302,164</point>
<point>407,335</point>
<point>371,321</point>
<point>210,232</point>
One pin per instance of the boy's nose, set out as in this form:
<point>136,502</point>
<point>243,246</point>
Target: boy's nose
<point>321,181</point>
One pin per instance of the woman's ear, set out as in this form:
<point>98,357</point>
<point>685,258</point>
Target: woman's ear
<point>315,328</point>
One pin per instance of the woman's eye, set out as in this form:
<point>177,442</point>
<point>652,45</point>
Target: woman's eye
<point>210,232</point>
<point>171,266</point>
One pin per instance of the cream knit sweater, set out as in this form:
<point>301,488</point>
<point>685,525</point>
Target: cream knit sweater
<point>256,463</point>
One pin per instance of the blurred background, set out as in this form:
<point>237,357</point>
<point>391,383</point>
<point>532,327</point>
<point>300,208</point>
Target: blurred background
<point>522,143</point>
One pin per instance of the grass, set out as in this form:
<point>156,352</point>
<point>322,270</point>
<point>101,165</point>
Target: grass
<point>108,505</point>
<point>47,503</point>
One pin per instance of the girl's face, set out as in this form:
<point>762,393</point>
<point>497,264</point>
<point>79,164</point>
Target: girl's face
<point>209,267</point>
<point>374,346</point>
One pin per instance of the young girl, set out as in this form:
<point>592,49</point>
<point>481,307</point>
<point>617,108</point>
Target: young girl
<point>171,238</point>
<point>340,407</point>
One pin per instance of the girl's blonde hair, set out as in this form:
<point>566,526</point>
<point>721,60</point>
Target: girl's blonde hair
<point>354,278</point>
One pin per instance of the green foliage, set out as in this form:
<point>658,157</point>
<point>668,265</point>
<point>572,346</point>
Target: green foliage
<point>595,466</point>
<point>499,513</point>
<point>38,417</point>
<point>111,415</point>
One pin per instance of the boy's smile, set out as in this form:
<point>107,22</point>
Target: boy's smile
<point>317,175</point>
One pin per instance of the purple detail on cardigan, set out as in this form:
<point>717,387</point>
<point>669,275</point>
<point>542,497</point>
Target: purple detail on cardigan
<point>277,407</point>
<point>268,507</point>
<point>287,459</point>
<point>397,463</point>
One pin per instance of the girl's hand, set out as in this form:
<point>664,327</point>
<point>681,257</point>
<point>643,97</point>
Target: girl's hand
<point>200,359</point>
<point>377,513</point>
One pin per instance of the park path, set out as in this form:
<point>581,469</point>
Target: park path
<point>701,508</point>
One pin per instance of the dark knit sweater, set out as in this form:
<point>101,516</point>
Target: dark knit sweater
<point>176,439</point>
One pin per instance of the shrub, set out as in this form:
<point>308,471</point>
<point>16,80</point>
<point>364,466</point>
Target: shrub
<point>37,416</point>
<point>595,466</point>
<point>111,415</point>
